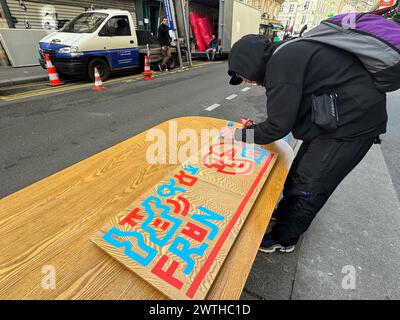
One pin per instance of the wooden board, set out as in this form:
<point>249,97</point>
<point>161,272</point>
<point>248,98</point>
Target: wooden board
<point>177,235</point>
<point>50,223</point>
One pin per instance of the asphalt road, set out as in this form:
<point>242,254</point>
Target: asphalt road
<point>44,134</point>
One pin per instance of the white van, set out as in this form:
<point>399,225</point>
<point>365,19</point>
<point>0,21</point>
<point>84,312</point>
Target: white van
<point>105,39</point>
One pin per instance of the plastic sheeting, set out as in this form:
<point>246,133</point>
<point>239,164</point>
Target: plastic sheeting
<point>204,26</point>
<point>202,30</point>
<point>193,17</point>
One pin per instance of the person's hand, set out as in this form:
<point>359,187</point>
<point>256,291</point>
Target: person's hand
<point>228,134</point>
<point>244,122</point>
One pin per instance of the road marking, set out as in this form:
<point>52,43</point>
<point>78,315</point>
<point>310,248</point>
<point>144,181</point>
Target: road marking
<point>99,114</point>
<point>246,89</point>
<point>231,97</point>
<point>60,89</point>
<point>212,107</point>
<point>46,91</point>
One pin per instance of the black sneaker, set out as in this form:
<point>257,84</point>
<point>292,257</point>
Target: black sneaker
<point>269,245</point>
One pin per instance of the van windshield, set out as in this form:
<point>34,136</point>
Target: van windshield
<point>87,22</point>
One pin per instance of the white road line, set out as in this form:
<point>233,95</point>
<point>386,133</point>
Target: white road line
<point>212,107</point>
<point>231,97</point>
<point>246,89</point>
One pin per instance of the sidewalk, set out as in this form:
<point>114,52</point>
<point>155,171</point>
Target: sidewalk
<point>358,229</point>
<point>12,76</point>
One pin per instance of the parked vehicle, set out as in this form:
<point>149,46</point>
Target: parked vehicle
<point>105,39</point>
<point>230,20</point>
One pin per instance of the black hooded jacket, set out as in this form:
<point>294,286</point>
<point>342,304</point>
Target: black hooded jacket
<point>299,70</point>
<point>163,35</point>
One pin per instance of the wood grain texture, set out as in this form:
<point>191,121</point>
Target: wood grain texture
<point>51,221</point>
<point>220,192</point>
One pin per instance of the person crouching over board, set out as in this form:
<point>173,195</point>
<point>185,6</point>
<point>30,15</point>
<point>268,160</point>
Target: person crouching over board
<point>327,99</point>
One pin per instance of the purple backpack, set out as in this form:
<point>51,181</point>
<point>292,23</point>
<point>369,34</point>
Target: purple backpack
<point>374,39</point>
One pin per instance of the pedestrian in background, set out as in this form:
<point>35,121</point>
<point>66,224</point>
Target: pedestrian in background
<point>212,47</point>
<point>165,41</point>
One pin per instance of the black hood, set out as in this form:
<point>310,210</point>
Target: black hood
<point>249,57</point>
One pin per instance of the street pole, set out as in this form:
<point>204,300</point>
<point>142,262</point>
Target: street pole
<point>286,27</point>
<point>178,45</point>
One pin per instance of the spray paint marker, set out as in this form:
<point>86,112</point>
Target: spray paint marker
<point>230,124</point>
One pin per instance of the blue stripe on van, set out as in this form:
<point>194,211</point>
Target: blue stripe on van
<point>51,45</point>
<point>117,58</point>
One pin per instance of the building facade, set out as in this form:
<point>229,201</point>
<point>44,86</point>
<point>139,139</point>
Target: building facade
<point>149,14</point>
<point>357,6</point>
<point>53,14</point>
<point>269,9</point>
<point>50,14</point>
<point>3,21</point>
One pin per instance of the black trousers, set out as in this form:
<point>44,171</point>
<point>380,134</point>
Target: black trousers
<point>317,170</point>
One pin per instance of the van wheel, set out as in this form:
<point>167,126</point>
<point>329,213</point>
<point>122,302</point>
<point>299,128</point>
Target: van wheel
<point>102,66</point>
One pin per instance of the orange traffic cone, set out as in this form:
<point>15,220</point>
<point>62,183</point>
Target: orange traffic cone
<point>148,73</point>
<point>98,84</point>
<point>51,70</point>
